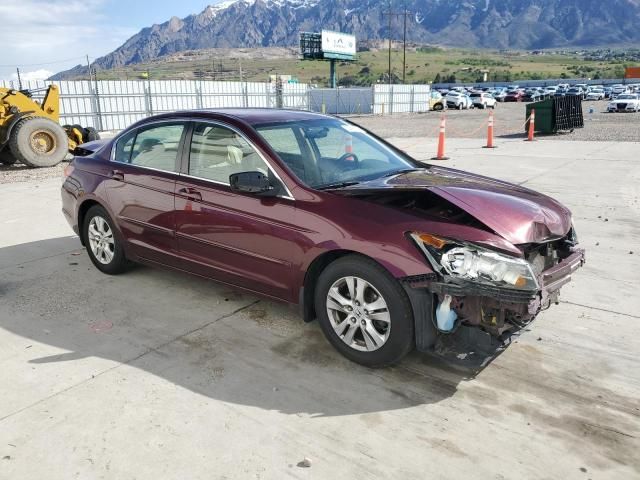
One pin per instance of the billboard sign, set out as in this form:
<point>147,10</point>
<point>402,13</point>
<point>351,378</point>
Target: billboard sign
<point>632,72</point>
<point>339,44</point>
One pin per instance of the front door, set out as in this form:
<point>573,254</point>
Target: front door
<point>240,239</point>
<point>141,188</point>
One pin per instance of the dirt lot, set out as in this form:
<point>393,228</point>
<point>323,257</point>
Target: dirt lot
<point>161,375</point>
<point>509,122</point>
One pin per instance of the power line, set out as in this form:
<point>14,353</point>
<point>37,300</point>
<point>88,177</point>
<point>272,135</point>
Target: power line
<point>40,64</point>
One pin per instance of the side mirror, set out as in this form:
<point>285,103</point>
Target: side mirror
<point>256,183</point>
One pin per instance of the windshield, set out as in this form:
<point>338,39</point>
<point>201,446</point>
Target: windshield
<point>328,151</point>
<point>627,97</point>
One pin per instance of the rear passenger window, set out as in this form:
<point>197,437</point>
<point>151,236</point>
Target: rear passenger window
<point>217,152</point>
<point>154,147</point>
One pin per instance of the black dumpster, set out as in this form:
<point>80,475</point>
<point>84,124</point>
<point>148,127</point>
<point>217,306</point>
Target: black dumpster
<point>556,114</point>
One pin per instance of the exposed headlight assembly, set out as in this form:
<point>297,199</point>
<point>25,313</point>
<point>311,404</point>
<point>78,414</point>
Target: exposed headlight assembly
<point>473,263</point>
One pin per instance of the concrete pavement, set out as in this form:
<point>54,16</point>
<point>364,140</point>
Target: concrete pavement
<point>156,374</point>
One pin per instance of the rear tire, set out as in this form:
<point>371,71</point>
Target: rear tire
<point>38,142</point>
<point>373,326</point>
<point>91,134</point>
<point>6,158</point>
<point>102,242</point>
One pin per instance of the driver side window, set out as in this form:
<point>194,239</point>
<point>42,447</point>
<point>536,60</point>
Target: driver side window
<point>338,143</point>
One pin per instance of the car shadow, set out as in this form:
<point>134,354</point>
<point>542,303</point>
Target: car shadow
<point>208,338</point>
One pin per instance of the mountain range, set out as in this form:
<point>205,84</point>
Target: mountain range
<point>496,24</point>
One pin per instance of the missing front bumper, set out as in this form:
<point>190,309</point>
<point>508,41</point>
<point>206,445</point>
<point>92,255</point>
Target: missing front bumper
<point>487,315</point>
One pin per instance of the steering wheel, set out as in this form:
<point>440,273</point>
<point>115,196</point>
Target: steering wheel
<point>343,159</point>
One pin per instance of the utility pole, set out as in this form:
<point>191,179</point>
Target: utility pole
<point>404,43</point>
<point>89,67</point>
<point>404,14</point>
<point>390,13</point>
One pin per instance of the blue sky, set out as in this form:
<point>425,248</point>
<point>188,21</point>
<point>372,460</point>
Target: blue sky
<point>53,35</point>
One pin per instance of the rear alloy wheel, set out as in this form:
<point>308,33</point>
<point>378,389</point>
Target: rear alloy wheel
<point>364,312</point>
<point>104,247</point>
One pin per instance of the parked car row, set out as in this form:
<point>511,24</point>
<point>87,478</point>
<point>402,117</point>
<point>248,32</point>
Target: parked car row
<point>486,97</point>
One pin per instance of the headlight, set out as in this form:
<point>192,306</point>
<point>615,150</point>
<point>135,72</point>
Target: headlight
<point>474,263</point>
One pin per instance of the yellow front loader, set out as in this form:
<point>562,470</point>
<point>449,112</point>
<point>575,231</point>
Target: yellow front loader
<point>30,131</point>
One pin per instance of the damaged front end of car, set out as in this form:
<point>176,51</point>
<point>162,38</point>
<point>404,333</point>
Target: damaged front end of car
<point>480,297</point>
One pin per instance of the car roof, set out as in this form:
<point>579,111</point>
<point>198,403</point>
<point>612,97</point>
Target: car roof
<point>252,116</point>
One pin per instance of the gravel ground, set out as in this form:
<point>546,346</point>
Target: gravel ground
<point>21,173</point>
<point>509,122</point>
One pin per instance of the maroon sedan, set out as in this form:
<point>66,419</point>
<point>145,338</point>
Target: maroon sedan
<point>386,252</point>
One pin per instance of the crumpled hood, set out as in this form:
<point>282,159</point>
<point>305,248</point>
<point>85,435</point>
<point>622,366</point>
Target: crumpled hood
<point>517,214</point>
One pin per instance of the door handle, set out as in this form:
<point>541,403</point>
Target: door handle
<point>192,193</point>
<point>117,175</point>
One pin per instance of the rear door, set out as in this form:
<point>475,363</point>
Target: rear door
<point>241,239</point>
<point>145,163</point>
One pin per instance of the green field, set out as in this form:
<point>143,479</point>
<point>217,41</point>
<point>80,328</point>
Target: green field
<point>424,65</point>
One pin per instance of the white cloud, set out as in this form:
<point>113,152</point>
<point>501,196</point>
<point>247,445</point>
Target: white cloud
<point>54,34</point>
<point>41,74</point>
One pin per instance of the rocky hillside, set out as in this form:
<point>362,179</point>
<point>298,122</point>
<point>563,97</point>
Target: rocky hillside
<point>512,24</point>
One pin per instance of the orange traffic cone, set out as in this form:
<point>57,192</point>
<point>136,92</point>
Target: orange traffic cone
<point>490,132</point>
<point>441,138</point>
<point>532,125</point>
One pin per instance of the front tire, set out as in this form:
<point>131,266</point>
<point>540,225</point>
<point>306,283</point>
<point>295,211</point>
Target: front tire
<point>364,312</point>
<point>39,142</point>
<point>103,245</point>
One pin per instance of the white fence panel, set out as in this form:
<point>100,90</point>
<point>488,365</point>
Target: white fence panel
<point>389,99</point>
<point>294,95</point>
<point>116,104</point>
<point>121,103</point>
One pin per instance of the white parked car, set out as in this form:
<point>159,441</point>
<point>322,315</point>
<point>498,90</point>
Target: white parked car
<point>458,100</point>
<point>596,94</point>
<point>619,90</point>
<point>627,102</point>
<point>483,100</point>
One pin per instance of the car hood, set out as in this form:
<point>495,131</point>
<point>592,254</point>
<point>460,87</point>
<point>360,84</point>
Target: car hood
<point>517,214</point>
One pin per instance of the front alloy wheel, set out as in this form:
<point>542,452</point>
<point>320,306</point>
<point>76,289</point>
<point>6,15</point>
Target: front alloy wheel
<point>358,314</point>
<point>364,311</point>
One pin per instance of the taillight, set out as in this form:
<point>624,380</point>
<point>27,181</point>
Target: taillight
<point>68,170</point>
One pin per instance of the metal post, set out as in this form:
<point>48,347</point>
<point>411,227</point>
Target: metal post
<point>245,94</point>
<point>332,73</point>
<point>99,125</point>
<point>389,77</point>
<point>412,98</point>
<point>199,94</point>
<point>149,101</point>
<point>390,99</point>
<point>404,43</point>
<point>19,79</point>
